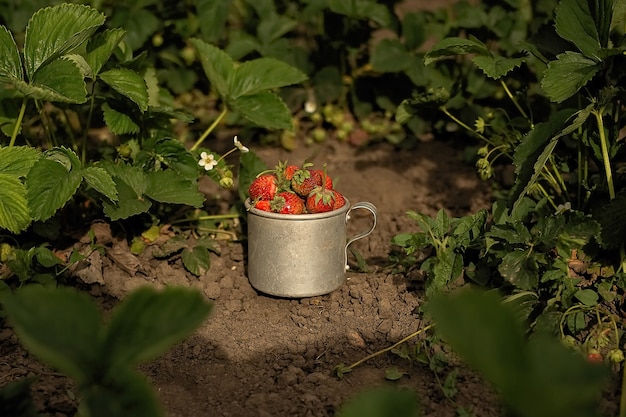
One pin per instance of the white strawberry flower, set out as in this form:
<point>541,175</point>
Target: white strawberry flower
<point>207,160</point>
<point>240,146</point>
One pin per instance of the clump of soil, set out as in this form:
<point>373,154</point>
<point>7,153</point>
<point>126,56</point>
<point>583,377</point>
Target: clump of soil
<point>259,355</point>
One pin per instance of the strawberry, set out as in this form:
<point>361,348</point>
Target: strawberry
<point>319,174</point>
<point>263,205</point>
<point>340,200</point>
<point>287,202</point>
<point>263,187</point>
<point>289,171</point>
<point>594,356</point>
<point>320,200</point>
<point>303,182</point>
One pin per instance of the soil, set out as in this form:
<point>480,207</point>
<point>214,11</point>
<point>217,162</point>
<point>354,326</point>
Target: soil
<point>259,355</point>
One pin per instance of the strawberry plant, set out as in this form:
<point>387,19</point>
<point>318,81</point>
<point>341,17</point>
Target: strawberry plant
<point>64,329</point>
<point>553,240</point>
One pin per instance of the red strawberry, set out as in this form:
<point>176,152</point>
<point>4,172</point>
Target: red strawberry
<point>318,173</point>
<point>594,356</point>
<point>289,171</point>
<point>340,200</point>
<point>263,187</point>
<point>320,200</point>
<point>286,202</point>
<point>303,182</point>
<point>263,205</point>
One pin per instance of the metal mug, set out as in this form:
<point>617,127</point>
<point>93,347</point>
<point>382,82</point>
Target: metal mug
<point>300,255</point>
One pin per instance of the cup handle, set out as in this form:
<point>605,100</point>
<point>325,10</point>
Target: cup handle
<point>360,205</point>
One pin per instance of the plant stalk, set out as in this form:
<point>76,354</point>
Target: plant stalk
<point>210,129</point>
<point>605,153</point>
<point>395,345</point>
<point>18,123</point>
<point>514,100</point>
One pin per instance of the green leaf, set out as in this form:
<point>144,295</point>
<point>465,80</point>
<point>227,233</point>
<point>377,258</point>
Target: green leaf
<point>54,31</point>
<point>61,80</point>
<point>149,321</point>
<point>414,30</point>
<point>134,177</point>
<point>574,22</point>
<point>60,326</point>
<point>120,123</point>
<point>394,374</point>
<point>273,27</point>
<point>213,14</point>
<point>518,267</point>
<point>587,296</point>
<point>560,382</point>
<point>196,260</point>
<point>455,46</point>
<point>17,160</point>
<point>126,393</point>
<point>496,67</point>
<point>390,55</point>
<point>568,74</point>
<point>363,9</point>
<point>170,187</point>
<point>217,65</point>
<point>612,219</point>
<point>129,84</point>
<point>382,402</point>
<point>101,47</point>
<point>262,74</point>
<point>16,398</point>
<point>100,180</point>
<point>532,154</point>
<point>484,332</point>
<point>46,258</point>
<point>14,213</point>
<point>265,109</point>
<point>49,186</point>
<point>10,62</point>
<point>129,203</point>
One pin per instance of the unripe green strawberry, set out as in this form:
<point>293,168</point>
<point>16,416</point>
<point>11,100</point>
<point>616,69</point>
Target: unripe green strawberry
<point>287,202</point>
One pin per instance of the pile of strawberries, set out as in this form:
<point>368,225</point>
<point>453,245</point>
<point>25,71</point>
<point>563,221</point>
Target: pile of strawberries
<point>290,189</point>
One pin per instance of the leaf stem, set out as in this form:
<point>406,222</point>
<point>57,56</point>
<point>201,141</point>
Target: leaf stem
<point>464,126</point>
<point>210,129</point>
<point>605,152</point>
<point>515,102</point>
<point>18,123</point>
<point>387,349</point>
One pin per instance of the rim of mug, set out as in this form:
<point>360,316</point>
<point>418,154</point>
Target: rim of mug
<point>307,216</point>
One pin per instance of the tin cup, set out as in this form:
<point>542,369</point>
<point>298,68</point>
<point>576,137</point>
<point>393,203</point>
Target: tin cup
<point>300,255</point>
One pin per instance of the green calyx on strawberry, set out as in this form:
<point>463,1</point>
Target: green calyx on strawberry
<point>323,198</point>
<point>287,202</point>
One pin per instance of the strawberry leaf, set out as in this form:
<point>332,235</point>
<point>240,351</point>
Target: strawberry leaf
<point>265,109</point>
<point>217,65</point>
<point>568,74</point>
<point>10,62</point>
<point>259,75</point>
<point>129,84</point>
<point>55,31</point>
<point>14,213</point>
